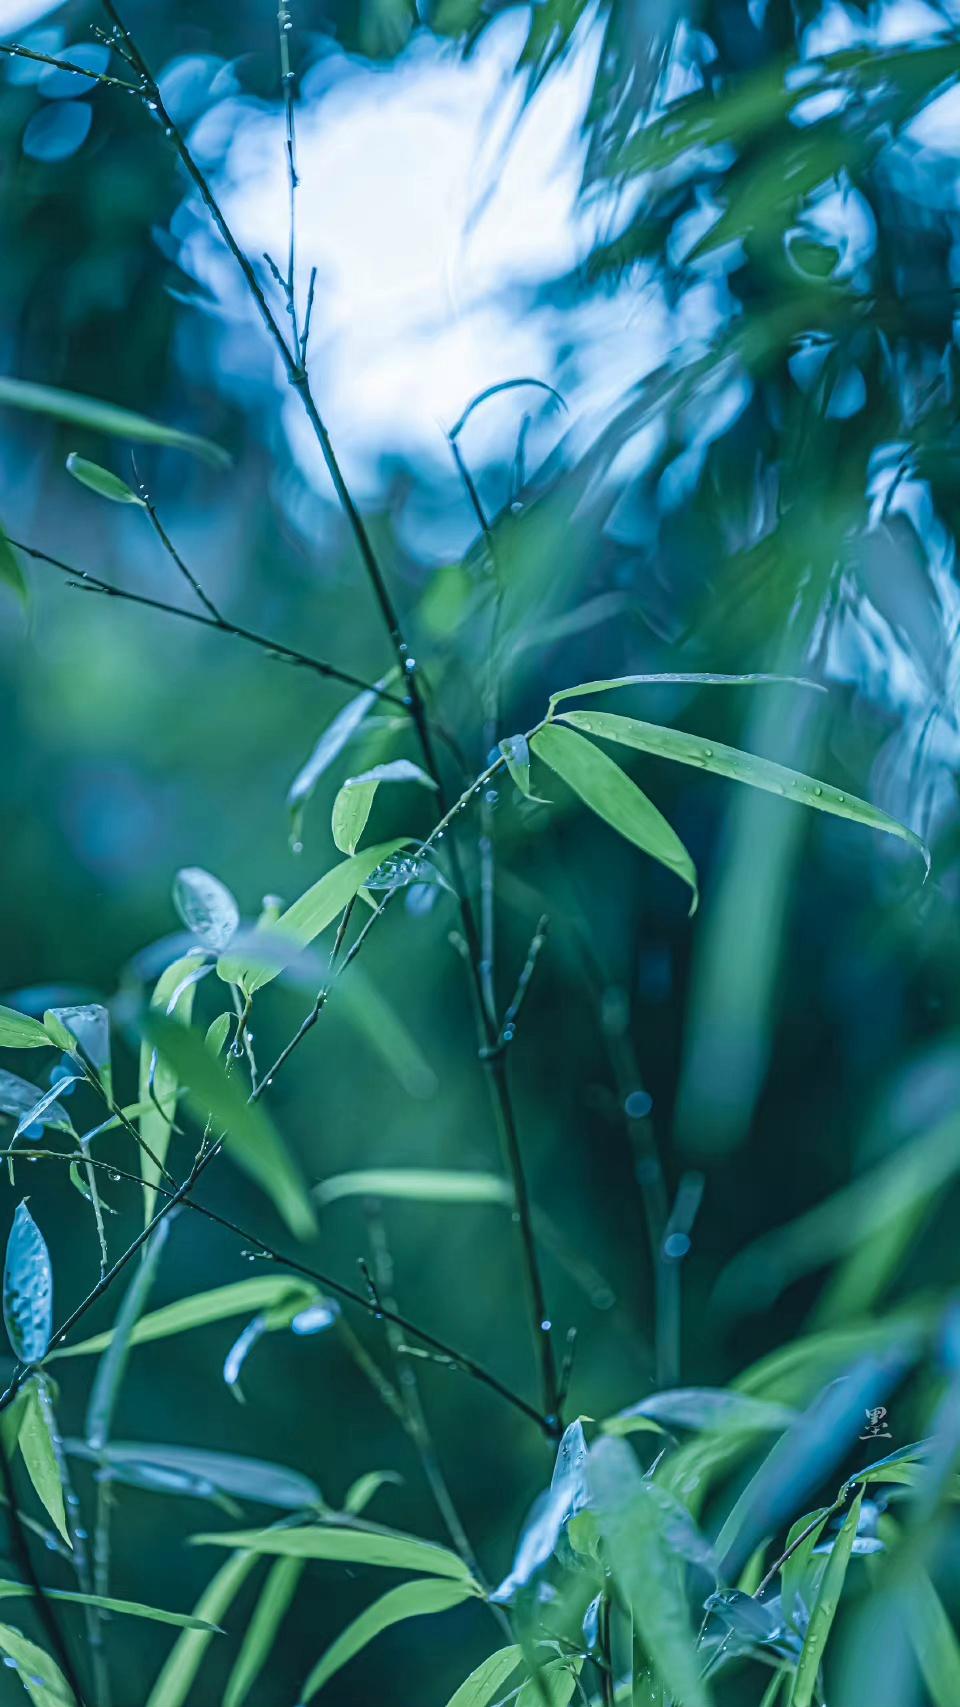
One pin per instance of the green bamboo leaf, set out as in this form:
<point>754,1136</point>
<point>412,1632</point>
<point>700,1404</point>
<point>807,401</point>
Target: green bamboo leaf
<point>422,1185</point>
<point>129,1608</point>
<point>58,1033</point>
<point>609,792</point>
<point>825,1608</point>
<point>101,481</point>
<point>110,1369</point>
<point>249,1135</point>
<point>410,1600</point>
<point>387,1548</point>
<point>18,1096</point>
<point>206,907</point>
<point>934,1640</point>
<point>553,1686</point>
<point>217,1033</point>
<point>305,919</point>
<point>277,1593</point>
<point>262,1292</point>
<point>106,418</point>
<point>175,1681</point>
<point>361,1492</point>
<point>40,1675</point>
<point>664,678</point>
<point>11,574</point>
<point>332,742</point>
<point>516,755</point>
<point>159,1083</point>
<point>27,1289</point>
<point>387,1033</point>
<point>741,767</point>
<point>646,1568</point>
<point>793,1573</point>
<point>36,1439</point>
<point>354,802</point>
<point>19,1031</point>
<point>252,1479</point>
<point>486,1682</point>
<point>704,1408</point>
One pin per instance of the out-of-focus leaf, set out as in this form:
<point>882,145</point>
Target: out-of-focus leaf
<point>129,1608</point>
<point>332,742</point>
<point>206,907</point>
<point>647,1572</point>
<point>609,792</point>
<point>101,481</point>
<point>159,1077</point>
<point>741,767</point>
<point>11,574</point>
<point>47,1100</point>
<point>361,1492</point>
<point>110,1369</point>
<point>89,1024</point>
<point>40,1457</point>
<point>175,1681</point>
<point>19,1031</point>
<point>353,803</point>
<point>700,1408</point>
<point>387,1033</point>
<point>106,418</point>
<point>422,1185</point>
<point>305,919</point>
<point>565,1497</point>
<point>250,1137</point>
<point>40,1675</point>
<point>219,1304</point>
<point>410,1600</point>
<point>485,1683</point>
<point>19,1096</point>
<point>824,1609</point>
<point>277,1593</point>
<point>553,1686</point>
<point>934,1640</point>
<point>794,1571</point>
<point>246,1478</point>
<point>385,1548</point>
<point>27,1289</point>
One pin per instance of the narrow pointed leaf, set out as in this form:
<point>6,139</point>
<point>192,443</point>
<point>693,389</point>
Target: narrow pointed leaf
<point>386,1548</point>
<point>175,1682</point>
<point>19,1096</point>
<point>110,1369</point>
<point>20,1031</point>
<point>276,1596</point>
<point>824,1608</point>
<point>741,767</point>
<point>206,907</point>
<point>101,481</point>
<point>249,1135</point>
<point>696,679</point>
<point>246,1478</point>
<point>129,1608</point>
<point>421,1185</point>
<point>27,1289</point>
<point>516,754</point>
<point>701,1408</point>
<point>40,1675</point>
<point>103,417</point>
<point>40,1456</point>
<point>410,1600</point>
<point>486,1682</point>
<point>609,792</point>
<point>159,1083</point>
<point>11,574</point>
<point>47,1100</point>
<point>331,744</point>
<point>217,1305</point>
<point>354,802</point>
<point>934,1641</point>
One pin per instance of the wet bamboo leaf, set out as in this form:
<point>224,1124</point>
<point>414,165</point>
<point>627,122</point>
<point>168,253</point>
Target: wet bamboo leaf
<point>89,1024</point>
<point>113,1363</point>
<point>58,1033</point>
<point>27,1289</point>
<point>19,1096</point>
<point>609,792</point>
<point>198,1311</point>
<point>206,907</point>
<point>689,680</point>
<point>793,1575</point>
<point>102,417</point>
<point>101,481</point>
<point>175,1681</point>
<point>40,1675</point>
<point>217,1033</point>
<point>11,574</point>
<point>485,1683</point>
<point>386,1548</point>
<point>278,1591</point>
<point>40,1456</point>
<point>354,802</point>
<point>19,1031</point>
<point>47,1100</point>
<point>129,1608</point>
<point>410,1600</point>
<point>741,767</point>
<point>516,755</point>
<point>305,919</point>
<point>825,1609</point>
<point>332,742</point>
<point>245,1478</point>
<point>553,1687</point>
<point>249,1135</point>
<point>159,1083</point>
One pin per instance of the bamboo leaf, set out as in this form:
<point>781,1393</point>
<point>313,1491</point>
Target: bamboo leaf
<point>386,1548</point>
<point>19,1031</point>
<point>609,792</point>
<point>159,1077</point>
<point>19,1096</point>
<point>101,481</point>
<point>410,1600</point>
<point>40,1675</point>
<point>246,1478</point>
<point>741,767</point>
<point>175,1681</point>
<point>277,1593</point>
<point>249,1135</point>
<point>206,907</point>
<point>36,1439</point>
<point>332,742</point>
<point>486,1682</point>
<point>110,1369</point>
<point>516,756</point>
<point>663,679</point>
<point>27,1289</point>
<point>934,1640</point>
<point>825,1608</point>
<point>354,802</point>
<point>129,1608</point>
<point>422,1185</point>
<point>705,1408</point>
<point>263,1292</point>
<point>11,574</point>
<point>102,417</point>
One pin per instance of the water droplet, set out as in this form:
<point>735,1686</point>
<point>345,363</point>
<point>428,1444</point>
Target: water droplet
<point>546,1325</point>
<point>409,665</point>
<point>638,1105</point>
<point>675,1246</point>
<point>491,797</point>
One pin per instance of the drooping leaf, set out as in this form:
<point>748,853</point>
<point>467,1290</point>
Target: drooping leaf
<point>175,1681</point>
<point>699,1408</point>
<point>516,755</point>
<point>110,1369</point>
<point>609,792</point>
<point>317,908</point>
<point>249,1135</point>
<point>565,1497</point>
<point>361,1492</point>
<point>19,1031</point>
<point>217,1305</point>
<point>106,418</point>
<point>354,801</point>
<point>27,1289</point>
<point>275,1598</point>
<point>217,1033</point>
<point>19,1096</point>
<point>664,679</point>
<point>206,907</point>
<point>89,1024</point>
<point>331,743</point>
<point>159,1083</point>
<point>40,1675</point>
<point>40,1456</point>
<point>646,1569</point>
<point>422,1185</point>
<point>410,1600</point>
<point>485,1683</point>
<point>387,1032</point>
<point>824,1609</point>
<point>385,1548</point>
<point>47,1100</point>
<point>246,1478</point>
<point>741,767</point>
<point>101,481</point>
<point>11,574</point>
<point>128,1608</point>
